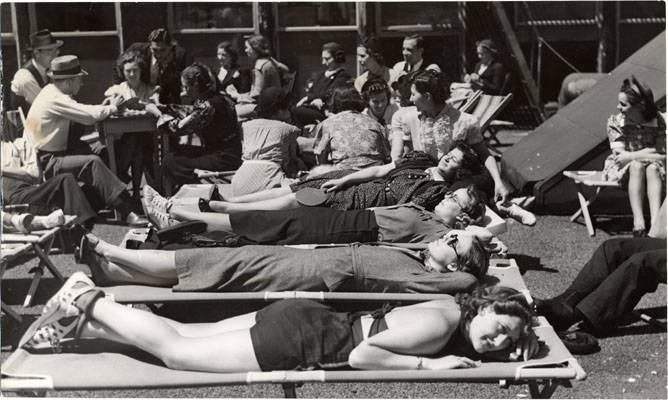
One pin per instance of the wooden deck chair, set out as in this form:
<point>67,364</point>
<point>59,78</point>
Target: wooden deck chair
<point>98,364</point>
<point>487,108</point>
<point>582,179</point>
<point>464,104</point>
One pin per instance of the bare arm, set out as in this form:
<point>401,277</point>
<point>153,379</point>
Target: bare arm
<point>501,191</point>
<point>363,175</point>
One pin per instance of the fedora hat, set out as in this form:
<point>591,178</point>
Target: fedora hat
<point>64,67</point>
<point>43,40</point>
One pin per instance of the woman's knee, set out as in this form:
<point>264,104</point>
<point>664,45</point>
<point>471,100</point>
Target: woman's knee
<point>636,168</point>
<point>175,355</point>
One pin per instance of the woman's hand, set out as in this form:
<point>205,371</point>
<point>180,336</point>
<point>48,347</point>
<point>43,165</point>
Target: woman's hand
<point>501,192</point>
<point>333,185</point>
<point>318,103</point>
<point>526,347</point>
<point>448,362</point>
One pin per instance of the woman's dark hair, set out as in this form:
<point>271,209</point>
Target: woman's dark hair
<point>503,300</point>
<point>639,93</point>
<point>200,75</point>
<point>336,51</point>
<point>475,210</point>
<point>434,83</point>
<point>261,45</point>
<point>131,56</point>
<point>471,164</point>
<point>475,261</point>
<point>373,87</point>
<point>234,56</point>
<point>346,98</point>
<point>372,46</point>
<point>403,87</point>
<point>489,45</point>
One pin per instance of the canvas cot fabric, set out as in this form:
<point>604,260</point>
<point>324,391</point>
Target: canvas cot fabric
<point>351,268</point>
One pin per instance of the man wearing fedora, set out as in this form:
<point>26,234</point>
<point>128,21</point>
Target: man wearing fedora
<point>54,126</point>
<point>31,78</point>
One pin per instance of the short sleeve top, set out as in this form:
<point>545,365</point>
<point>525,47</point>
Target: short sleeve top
<point>409,223</point>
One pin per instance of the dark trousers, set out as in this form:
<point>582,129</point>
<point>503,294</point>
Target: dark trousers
<point>87,168</point>
<point>178,166</point>
<point>60,191</point>
<point>616,277</point>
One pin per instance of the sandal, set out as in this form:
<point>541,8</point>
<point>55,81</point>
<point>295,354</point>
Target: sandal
<point>61,305</point>
<point>50,335</point>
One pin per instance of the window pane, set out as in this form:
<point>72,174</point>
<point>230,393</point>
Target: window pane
<point>214,15</point>
<point>414,13</point>
<point>70,17</point>
<point>547,10</point>
<point>316,14</point>
<point>6,21</point>
<point>642,9</point>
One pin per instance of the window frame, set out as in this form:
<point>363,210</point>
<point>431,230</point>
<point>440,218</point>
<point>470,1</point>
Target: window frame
<point>255,29</point>
<point>13,36</point>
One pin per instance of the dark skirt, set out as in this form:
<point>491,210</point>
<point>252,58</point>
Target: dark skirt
<point>305,225</point>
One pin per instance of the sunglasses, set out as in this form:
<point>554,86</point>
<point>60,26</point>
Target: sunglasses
<point>452,241</point>
<point>452,196</point>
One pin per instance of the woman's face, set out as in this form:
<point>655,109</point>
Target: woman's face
<point>489,331</point>
<point>484,54</point>
<point>188,89</point>
<point>630,111</point>
<point>452,205</point>
<point>363,57</point>
<point>327,59</point>
<point>420,100</point>
<point>250,52</point>
<point>378,103</point>
<point>450,163</point>
<point>443,253</point>
<point>132,74</point>
<point>224,59</point>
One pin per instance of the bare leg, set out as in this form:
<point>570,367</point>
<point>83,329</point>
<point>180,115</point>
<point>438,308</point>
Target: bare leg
<point>286,202</point>
<point>154,263</point>
<point>230,351</point>
<point>96,330</point>
<point>637,193</point>
<point>214,221</point>
<point>258,196</point>
<point>654,189</point>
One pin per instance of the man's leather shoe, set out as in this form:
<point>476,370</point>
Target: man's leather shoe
<point>136,221</point>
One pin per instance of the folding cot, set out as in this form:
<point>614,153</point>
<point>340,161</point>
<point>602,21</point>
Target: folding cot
<point>582,179</point>
<point>40,243</point>
<point>97,365</point>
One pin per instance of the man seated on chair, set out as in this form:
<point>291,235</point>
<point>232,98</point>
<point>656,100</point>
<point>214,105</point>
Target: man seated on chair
<point>22,184</point>
<point>54,127</point>
<point>31,77</point>
<point>453,263</point>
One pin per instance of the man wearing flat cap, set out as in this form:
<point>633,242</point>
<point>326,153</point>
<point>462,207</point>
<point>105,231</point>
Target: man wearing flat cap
<point>31,78</point>
<point>54,126</point>
<point>164,60</point>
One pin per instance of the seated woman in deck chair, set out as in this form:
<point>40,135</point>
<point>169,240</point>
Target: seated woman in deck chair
<point>450,264</point>
<point>302,334</point>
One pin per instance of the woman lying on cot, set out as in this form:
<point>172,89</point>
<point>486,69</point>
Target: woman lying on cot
<point>451,264</point>
<point>409,179</point>
<point>302,334</point>
<point>403,223</point>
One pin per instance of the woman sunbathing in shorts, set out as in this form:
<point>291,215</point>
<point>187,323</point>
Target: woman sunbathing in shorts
<point>302,334</point>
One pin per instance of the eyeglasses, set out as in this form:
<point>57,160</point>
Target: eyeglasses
<point>452,196</point>
<point>452,241</point>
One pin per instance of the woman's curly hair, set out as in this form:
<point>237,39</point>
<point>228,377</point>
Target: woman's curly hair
<point>502,300</point>
<point>200,75</point>
<point>639,93</point>
<point>434,83</point>
<point>130,56</point>
<point>373,87</point>
<point>261,45</point>
<point>346,98</point>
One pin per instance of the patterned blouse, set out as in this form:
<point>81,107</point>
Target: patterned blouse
<point>352,140</point>
<point>437,136</point>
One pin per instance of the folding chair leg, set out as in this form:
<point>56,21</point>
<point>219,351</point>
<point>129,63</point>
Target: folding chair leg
<point>547,390</point>
<point>10,311</point>
<point>44,260</point>
<point>37,276</point>
<point>584,207</point>
<point>289,390</point>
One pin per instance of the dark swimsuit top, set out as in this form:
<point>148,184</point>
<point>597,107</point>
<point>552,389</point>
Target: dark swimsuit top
<point>378,325</point>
